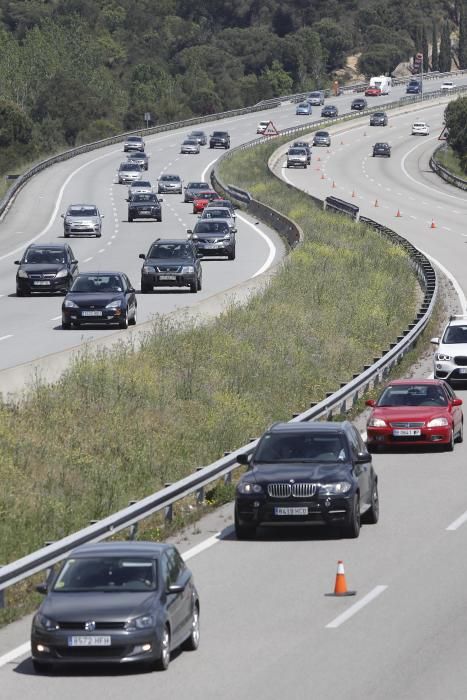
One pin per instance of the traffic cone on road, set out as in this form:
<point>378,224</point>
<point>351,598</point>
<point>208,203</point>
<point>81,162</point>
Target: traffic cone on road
<point>433,225</point>
<point>376,203</point>
<point>398,213</point>
<point>340,587</point>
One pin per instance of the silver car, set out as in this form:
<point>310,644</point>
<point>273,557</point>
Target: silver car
<point>82,220</point>
<point>193,188</point>
<point>140,158</point>
<point>222,213</point>
<point>129,172</point>
<point>199,136</point>
<point>322,138</point>
<point>297,158</point>
<point>190,146</point>
<point>134,143</point>
<point>169,184</point>
<point>140,187</point>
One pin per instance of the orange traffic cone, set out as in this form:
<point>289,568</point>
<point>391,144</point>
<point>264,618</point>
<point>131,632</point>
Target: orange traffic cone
<point>323,176</point>
<point>398,213</point>
<point>353,193</point>
<point>333,184</point>
<point>340,587</point>
<point>433,225</point>
<point>376,203</point>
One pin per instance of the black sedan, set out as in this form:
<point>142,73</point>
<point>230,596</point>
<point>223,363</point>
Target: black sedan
<point>379,119</point>
<point>171,262</point>
<point>359,103</point>
<point>306,473</point>
<point>118,603</point>
<point>144,206</point>
<point>382,149</point>
<point>329,111</point>
<point>100,297</point>
<point>46,268</point>
<point>214,237</point>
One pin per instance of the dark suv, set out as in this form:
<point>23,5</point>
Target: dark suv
<point>144,206</point>
<point>46,267</point>
<point>305,473</point>
<point>219,139</point>
<point>359,103</point>
<point>171,263</point>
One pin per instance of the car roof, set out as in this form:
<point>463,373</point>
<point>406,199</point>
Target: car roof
<point>122,549</point>
<point>82,206</point>
<point>100,272</point>
<point>309,427</point>
<point>58,246</point>
<point>461,321</point>
<point>428,382</point>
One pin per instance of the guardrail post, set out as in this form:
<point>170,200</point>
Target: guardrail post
<point>133,530</point>
<point>2,597</point>
<point>228,476</point>
<point>200,491</point>
<point>168,510</point>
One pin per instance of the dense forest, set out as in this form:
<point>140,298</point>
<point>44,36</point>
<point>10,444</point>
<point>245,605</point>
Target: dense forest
<point>73,71</point>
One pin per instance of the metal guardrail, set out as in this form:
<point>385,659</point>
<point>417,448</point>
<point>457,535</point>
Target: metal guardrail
<point>342,207</point>
<point>335,403</point>
<point>444,173</point>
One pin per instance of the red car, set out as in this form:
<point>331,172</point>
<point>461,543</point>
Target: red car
<point>373,91</point>
<point>415,412</point>
<point>202,199</point>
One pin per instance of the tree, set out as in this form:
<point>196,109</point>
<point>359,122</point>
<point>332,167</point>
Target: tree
<point>462,54</point>
<point>445,49</point>
<point>15,125</point>
<point>455,117</point>
<point>281,82</point>
<point>336,41</point>
<point>426,64</point>
<point>434,48</point>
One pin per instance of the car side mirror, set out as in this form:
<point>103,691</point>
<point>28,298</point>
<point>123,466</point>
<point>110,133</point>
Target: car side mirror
<point>142,256</point>
<point>175,588</point>
<point>62,215</point>
<point>127,199</point>
<point>131,290</point>
<point>17,262</point>
<point>74,262</point>
<point>434,341</point>
<point>457,402</point>
<point>243,459</point>
<point>42,588</point>
<point>363,458</point>
<point>102,216</point>
<point>370,402</point>
<point>200,255</point>
<point>161,199</point>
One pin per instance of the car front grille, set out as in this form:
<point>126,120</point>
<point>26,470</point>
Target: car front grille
<point>410,424</point>
<point>168,268</point>
<point>39,276</point>
<point>284,490</point>
<point>461,360</point>
<point>99,625</point>
<point>112,652</point>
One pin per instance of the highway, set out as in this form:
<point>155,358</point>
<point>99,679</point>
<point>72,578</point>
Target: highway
<point>268,630</point>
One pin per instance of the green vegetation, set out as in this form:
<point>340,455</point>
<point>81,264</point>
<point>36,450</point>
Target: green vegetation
<point>455,117</point>
<point>451,161</point>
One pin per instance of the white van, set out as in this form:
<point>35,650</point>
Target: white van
<point>383,83</point>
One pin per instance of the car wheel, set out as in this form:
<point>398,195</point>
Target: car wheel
<point>243,530</point>
<point>450,444</point>
<point>372,515</point>
<point>123,323</point>
<point>130,219</point>
<point>200,284</point>
<point>460,434</point>
<point>40,667</point>
<point>66,235</point>
<point>66,325</point>
<point>159,219</point>
<point>98,235</point>
<point>193,287</point>
<point>231,255</point>
<point>76,324</point>
<point>352,530</point>
<point>19,293</point>
<point>132,320</point>
<point>191,643</point>
<point>162,663</point>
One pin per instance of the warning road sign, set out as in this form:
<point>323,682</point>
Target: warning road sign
<point>270,130</point>
<point>444,134</point>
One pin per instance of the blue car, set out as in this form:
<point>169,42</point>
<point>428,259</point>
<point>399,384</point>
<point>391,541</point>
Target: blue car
<point>414,87</point>
<point>303,108</point>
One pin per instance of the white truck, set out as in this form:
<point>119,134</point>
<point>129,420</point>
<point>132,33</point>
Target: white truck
<point>383,83</point>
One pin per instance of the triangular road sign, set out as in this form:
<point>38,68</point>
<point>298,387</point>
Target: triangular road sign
<point>270,130</point>
<point>444,134</point>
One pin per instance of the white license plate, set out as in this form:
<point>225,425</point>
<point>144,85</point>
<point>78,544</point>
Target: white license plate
<point>145,212</point>
<point>91,313</point>
<point>91,641</point>
<point>462,370</point>
<point>167,277</point>
<point>406,432</point>
<point>279,510</point>
<point>210,246</point>
<point>43,284</point>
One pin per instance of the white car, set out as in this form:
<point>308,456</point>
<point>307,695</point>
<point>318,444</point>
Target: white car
<point>261,128</point>
<point>140,187</point>
<point>420,128</point>
<point>450,360</point>
<point>447,85</point>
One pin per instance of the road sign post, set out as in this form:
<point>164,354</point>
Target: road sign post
<point>147,118</point>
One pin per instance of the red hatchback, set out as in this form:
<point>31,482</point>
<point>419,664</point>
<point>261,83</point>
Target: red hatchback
<point>202,199</point>
<point>415,412</point>
<point>373,92</point>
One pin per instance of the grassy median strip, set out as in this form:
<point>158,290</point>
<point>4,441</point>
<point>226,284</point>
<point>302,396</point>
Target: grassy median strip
<point>451,161</point>
<point>120,425</point>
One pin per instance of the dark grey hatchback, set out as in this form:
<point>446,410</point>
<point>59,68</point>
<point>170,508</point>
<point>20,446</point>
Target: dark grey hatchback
<point>305,473</point>
<point>116,602</point>
<point>100,297</point>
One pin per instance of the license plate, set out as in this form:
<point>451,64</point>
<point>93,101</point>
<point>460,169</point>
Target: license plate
<point>42,284</point>
<point>463,370</point>
<point>145,212</point>
<point>210,246</point>
<point>91,313</point>
<point>279,510</point>
<point>91,641</point>
<point>406,432</point>
<point>167,277</point>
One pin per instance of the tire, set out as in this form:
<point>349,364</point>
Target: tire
<point>98,235</point>
<point>66,326</point>
<point>19,293</point>
<point>193,287</point>
<point>191,643</point>
<point>231,256</point>
<point>244,531</point>
<point>352,529</point>
<point>132,320</point>
<point>371,517</point>
<point>159,219</point>
<point>124,322</point>
<point>41,667</point>
<point>200,284</point>
<point>162,663</point>
<point>130,219</point>
<point>66,235</point>
<point>460,434</point>
<point>146,288</point>
<point>450,445</point>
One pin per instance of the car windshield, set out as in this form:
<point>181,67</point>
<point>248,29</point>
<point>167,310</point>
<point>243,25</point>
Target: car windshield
<point>82,211</point>
<point>138,185</point>
<point>413,395</point>
<point>220,133</point>
<point>44,255</point>
<point>455,334</point>
<point>304,105</point>
<point>211,227</point>
<point>134,139</point>
<point>169,178</point>
<point>211,213</point>
<point>144,198</point>
<point>322,134</point>
<point>131,167</point>
<point>196,134</point>
<point>109,574</point>
<point>307,447</point>
<point>137,156</point>
<point>190,142</point>
<point>207,195</point>
<point>92,284</point>
<point>315,94</point>
<point>297,152</point>
<point>170,250</point>
<point>379,114</point>
<point>197,186</point>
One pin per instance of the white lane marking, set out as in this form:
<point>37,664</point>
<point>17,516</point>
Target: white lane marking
<point>14,653</point>
<point>270,244</point>
<point>450,276</point>
<point>5,337</point>
<point>209,165</point>
<point>55,318</point>
<point>422,184</point>
<point>101,250</point>
<point>455,525</point>
<point>88,259</point>
<point>354,609</point>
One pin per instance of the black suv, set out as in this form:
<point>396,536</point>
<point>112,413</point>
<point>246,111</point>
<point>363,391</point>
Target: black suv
<point>379,119</point>
<point>46,267</point>
<point>382,149</point>
<point>219,139</point>
<point>359,103</point>
<point>144,206</point>
<point>305,473</point>
<point>171,263</point>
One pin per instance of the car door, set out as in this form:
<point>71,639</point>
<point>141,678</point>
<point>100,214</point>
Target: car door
<point>72,263</point>
<point>175,602</point>
<point>456,411</point>
<point>130,295</point>
<point>361,471</point>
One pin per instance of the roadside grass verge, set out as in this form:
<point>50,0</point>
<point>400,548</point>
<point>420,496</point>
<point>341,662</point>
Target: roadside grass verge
<point>119,425</point>
<point>451,162</point>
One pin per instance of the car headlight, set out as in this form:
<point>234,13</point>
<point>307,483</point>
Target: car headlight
<point>22,273</point>
<point>188,270</point>
<point>247,487</point>
<point>45,623</point>
<point>437,422</point>
<point>68,221</point>
<point>140,623</point>
<point>377,423</point>
<point>441,357</point>
<point>116,304</point>
<point>62,273</point>
<point>148,270</point>
<point>227,237</point>
<point>68,304</point>
<point>335,489</point>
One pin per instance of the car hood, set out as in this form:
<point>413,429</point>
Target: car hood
<point>404,414</point>
<point>112,606</point>
<point>82,219</point>
<point>173,262</point>
<point>97,300</point>
<point>453,349</point>
<point>301,472</point>
<point>143,205</point>
<point>42,269</point>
